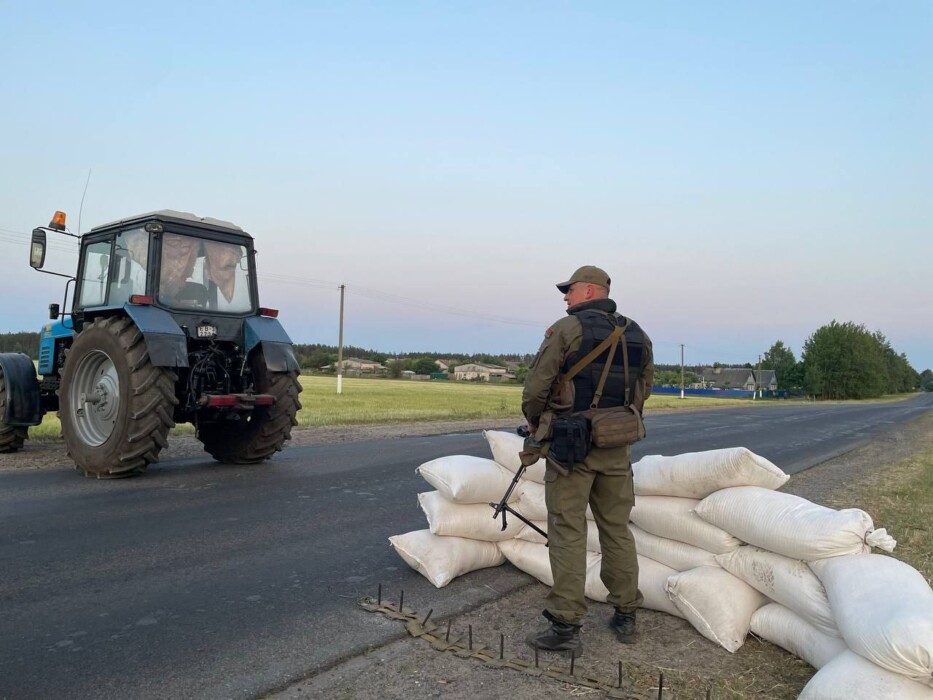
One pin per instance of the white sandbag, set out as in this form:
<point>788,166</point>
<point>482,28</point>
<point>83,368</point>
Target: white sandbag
<point>529,534</point>
<point>652,582</point>
<point>884,610</point>
<point>474,522</point>
<point>673,518</point>
<point>716,603</point>
<point>464,479</point>
<point>533,559</point>
<point>442,559</point>
<point>786,629</point>
<point>784,580</point>
<point>791,525</point>
<point>698,474</point>
<point>530,557</point>
<point>679,556</point>
<point>850,677</point>
<point>531,502</point>
<point>505,448</point>
<point>652,579</point>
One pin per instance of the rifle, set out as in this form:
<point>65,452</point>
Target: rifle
<point>502,507</point>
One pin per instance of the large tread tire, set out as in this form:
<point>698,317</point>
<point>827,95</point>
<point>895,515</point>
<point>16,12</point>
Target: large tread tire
<point>264,431</point>
<point>146,399</point>
<point>11,436</point>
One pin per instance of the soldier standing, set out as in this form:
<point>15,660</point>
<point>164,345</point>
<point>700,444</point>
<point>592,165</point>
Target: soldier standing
<point>602,479</point>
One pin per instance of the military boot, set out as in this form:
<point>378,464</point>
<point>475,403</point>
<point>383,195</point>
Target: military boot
<point>623,624</point>
<point>561,637</point>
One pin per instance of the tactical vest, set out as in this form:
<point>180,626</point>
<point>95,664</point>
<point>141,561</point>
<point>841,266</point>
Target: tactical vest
<point>597,326</point>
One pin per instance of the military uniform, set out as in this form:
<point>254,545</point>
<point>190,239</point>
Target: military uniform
<point>603,480</point>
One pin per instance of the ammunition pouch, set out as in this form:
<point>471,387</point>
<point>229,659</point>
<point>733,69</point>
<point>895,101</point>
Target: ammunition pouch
<point>570,440</point>
<point>615,427</point>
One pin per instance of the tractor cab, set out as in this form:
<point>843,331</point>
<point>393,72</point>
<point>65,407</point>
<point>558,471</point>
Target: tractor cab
<point>171,260</point>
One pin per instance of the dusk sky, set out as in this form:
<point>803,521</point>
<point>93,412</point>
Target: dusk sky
<point>745,172</point>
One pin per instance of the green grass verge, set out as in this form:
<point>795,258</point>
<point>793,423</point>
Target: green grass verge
<point>901,500</point>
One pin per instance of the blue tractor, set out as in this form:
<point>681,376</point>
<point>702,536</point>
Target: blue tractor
<point>165,328</point>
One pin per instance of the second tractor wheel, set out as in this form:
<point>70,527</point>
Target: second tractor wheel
<point>11,436</point>
<point>262,432</point>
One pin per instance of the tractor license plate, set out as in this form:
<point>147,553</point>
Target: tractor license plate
<point>207,331</point>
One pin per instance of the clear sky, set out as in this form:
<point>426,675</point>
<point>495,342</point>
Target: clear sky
<point>746,172</point>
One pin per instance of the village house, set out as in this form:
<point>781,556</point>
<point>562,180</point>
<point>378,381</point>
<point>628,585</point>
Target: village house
<point>480,372</point>
<point>738,378</point>
<point>353,366</point>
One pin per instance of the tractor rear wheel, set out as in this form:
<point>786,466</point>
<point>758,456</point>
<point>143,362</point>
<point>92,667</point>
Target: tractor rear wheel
<point>261,433</point>
<point>116,406</point>
<point>11,436</point>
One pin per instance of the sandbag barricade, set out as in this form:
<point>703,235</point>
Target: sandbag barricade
<point>726,555</point>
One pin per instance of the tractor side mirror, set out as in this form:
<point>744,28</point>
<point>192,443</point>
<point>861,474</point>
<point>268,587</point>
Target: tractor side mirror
<point>37,249</point>
<point>54,310</point>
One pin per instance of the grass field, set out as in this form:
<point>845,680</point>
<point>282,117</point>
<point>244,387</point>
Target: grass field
<point>901,499</point>
<point>366,401</point>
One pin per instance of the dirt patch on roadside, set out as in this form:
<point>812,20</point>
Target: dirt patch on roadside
<point>691,665</point>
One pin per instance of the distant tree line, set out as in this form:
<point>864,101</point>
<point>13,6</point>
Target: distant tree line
<point>845,361</point>
<point>25,341</point>
<point>839,361</point>
<point>317,356</point>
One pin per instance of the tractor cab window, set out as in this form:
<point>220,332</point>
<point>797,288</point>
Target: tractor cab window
<point>94,274</point>
<point>131,261</point>
<point>201,274</point>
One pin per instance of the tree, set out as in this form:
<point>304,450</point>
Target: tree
<point>424,366</point>
<point>844,361</point>
<point>395,368</point>
<point>926,380</point>
<point>521,373</point>
<point>781,359</point>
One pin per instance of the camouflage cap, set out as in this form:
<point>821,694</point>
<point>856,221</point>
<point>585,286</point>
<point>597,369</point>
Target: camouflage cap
<point>589,274</point>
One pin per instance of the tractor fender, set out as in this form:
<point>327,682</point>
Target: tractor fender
<point>276,345</point>
<point>22,390</point>
<point>166,342</point>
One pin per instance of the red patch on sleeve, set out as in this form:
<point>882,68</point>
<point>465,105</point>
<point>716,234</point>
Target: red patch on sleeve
<point>549,332</point>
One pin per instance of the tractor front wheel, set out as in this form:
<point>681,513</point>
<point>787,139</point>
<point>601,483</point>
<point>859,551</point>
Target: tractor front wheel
<point>11,436</point>
<point>115,405</point>
<point>262,432</point>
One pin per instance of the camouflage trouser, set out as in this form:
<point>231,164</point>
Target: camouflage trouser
<point>604,481</point>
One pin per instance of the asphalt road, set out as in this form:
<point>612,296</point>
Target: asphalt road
<point>201,580</point>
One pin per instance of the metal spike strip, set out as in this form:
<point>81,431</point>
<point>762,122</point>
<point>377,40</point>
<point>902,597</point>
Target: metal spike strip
<point>427,630</point>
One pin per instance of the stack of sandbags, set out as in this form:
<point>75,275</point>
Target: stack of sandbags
<point>864,620</point>
<point>669,537</point>
<point>717,545</point>
<point>666,528</point>
<point>461,535</point>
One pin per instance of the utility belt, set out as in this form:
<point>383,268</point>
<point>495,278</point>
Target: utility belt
<point>572,435</point>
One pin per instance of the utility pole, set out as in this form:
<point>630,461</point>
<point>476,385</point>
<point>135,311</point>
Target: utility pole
<point>340,346</point>
<point>681,370</point>
<point>758,378</point>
